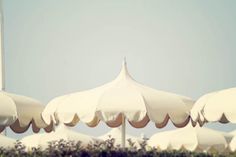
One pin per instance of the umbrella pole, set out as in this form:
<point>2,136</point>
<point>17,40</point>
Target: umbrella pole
<point>123,132</point>
<point>2,77</point>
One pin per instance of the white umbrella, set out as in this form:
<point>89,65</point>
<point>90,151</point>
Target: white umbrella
<point>190,138</point>
<point>6,142</point>
<point>63,133</point>
<point>217,106</point>
<point>115,133</point>
<point>119,99</point>
<point>17,111</point>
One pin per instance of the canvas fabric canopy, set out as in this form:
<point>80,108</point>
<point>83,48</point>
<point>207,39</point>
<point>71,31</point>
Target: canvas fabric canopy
<point>191,139</point>
<point>19,112</point>
<point>123,97</point>
<point>217,106</point>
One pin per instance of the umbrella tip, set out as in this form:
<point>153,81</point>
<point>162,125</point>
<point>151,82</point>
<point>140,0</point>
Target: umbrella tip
<point>124,71</point>
<point>124,61</point>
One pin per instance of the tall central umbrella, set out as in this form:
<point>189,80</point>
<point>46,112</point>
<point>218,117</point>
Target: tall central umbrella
<point>120,99</point>
<point>17,111</point>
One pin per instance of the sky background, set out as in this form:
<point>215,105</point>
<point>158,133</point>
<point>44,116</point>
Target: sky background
<point>55,47</point>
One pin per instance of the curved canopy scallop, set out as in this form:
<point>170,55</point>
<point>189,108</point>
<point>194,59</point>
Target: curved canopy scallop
<point>19,112</point>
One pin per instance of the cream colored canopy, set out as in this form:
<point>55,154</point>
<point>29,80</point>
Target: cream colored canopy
<point>232,144</point>
<point>233,132</point>
<point>6,142</point>
<point>19,112</point>
<point>122,96</point>
<point>190,138</point>
<point>217,106</point>
<point>115,133</point>
<point>43,139</point>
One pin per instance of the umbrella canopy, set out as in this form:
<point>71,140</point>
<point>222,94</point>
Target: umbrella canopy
<point>121,97</point>
<point>115,133</point>
<point>6,142</point>
<point>232,144</point>
<point>233,132</point>
<point>190,138</point>
<point>217,106</point>
<point>19,112</point>
<point>43,139</point>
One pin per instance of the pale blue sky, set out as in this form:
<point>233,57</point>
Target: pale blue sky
<point>54,47</point>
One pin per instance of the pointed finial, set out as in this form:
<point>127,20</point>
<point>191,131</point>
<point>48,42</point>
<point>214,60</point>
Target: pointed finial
<point>124,71</point>
<point>124,61</point>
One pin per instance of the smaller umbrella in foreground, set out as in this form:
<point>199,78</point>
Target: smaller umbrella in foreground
<point>191,139</point>
<point>43,139</point>
<point>215,107</point>
<point>6,142</point>
<point>115,133</point>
